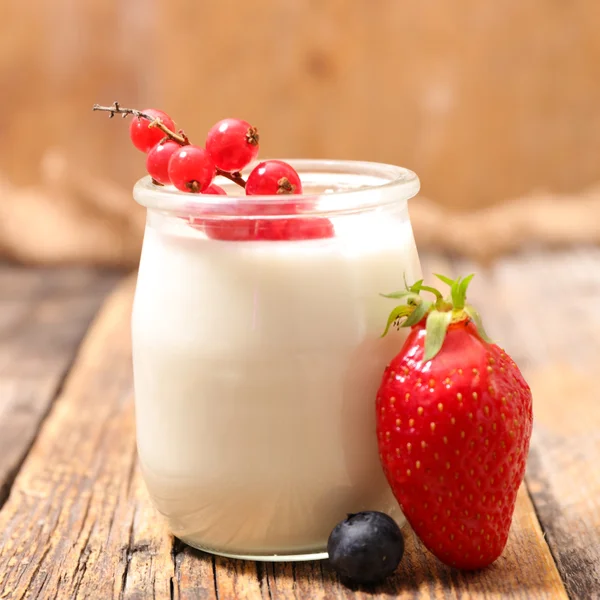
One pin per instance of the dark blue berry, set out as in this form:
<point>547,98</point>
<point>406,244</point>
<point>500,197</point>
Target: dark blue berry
<point>366,547</point>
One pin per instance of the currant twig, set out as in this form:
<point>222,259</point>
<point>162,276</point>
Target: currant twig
<point>235,177</point>
<point>117,109</point>
<point>179,137</point>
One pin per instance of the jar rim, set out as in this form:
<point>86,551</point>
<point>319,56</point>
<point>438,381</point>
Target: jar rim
<point>330,186</point>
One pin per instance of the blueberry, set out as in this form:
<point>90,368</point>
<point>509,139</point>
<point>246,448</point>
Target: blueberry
<point>366,547</point>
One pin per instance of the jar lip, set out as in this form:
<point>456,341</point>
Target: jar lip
<point>349,186</point>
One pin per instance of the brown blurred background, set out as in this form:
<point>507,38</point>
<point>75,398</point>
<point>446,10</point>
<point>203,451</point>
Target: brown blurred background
<point>495,105</point>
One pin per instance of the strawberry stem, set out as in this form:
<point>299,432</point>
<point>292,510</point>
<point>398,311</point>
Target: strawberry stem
<point>439,314</point>
<point>432,290</point>
<point>445,279</point>
<point>435,334</point>
<point>476,318</point>
<point>398,313</point>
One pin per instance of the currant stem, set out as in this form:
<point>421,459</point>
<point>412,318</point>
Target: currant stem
<point>117,109</point>
<point>235,177</point>
<point>180,137</point>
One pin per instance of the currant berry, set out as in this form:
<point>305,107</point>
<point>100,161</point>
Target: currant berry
<point>222,225</point>
<point>272,230</point>
<point>309,229</point>
<point>273,177</point>
<point>231,230</point>
<point>144,138</point>
<point>215,189</point>
<point>157,161</point>
<point>295,229</point>
<point>191,169</point>
<point>232,143</point>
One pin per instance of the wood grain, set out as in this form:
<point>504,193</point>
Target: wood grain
<point>73,55</point>
<point>43,316</point>
<point>525,570</point>
<point>543,309</point>
<point>78,523</point>
<point>486,101</point>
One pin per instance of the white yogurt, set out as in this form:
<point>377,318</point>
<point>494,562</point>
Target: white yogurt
<point>256,369</point>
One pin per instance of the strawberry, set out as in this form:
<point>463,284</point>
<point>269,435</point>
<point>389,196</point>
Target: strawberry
<point>454,422</point>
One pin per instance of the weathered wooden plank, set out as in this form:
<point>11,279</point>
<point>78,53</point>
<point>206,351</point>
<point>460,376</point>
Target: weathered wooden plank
<point>544,311</point>
<point>43,317</point>
<point>525,570</point>
<point>78,522</point>
<point>194,574</point>
<point>465,107</point>
<point>65,89</point>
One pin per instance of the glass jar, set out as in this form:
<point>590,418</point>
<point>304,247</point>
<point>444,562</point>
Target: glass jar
<point>257,362</point>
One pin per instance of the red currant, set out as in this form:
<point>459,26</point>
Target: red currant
<point>215,189</point>
<point>295,229</point>
<point>225,229</point>
<point>232,143</point>
<point>244,230</point>
<point>231,230</point>
<point>271,229</point>
<point>273,177</point>
<point>191,169</point>
<point>144,138</point>
<point>309,229</point>
<point>157,161</point>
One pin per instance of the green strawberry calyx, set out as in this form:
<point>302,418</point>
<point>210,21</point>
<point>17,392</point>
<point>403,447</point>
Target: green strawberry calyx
<point>439,313</point>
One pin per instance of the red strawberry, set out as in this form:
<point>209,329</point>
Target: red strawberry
<point>453,423</point>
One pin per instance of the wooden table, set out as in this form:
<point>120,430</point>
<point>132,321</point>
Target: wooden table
<point>75,519</point>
